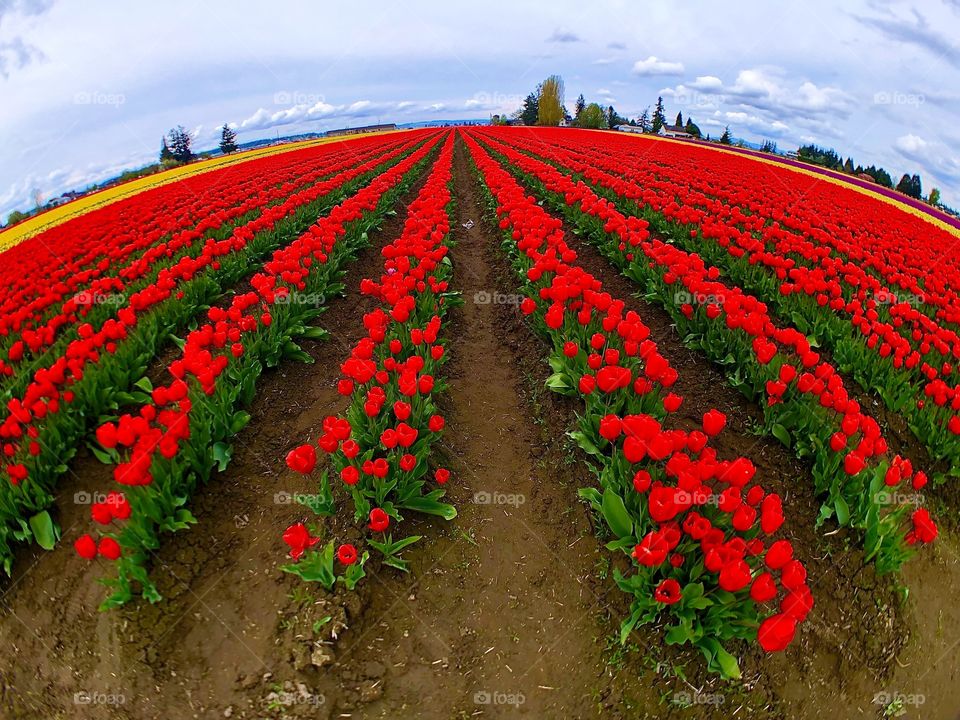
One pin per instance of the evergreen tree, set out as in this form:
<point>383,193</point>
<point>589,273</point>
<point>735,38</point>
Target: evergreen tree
<point>848,166</point>
<point>726,138</point>
<point>528,113</point>
<point>578,108</point>
<point>165,154</point>
<point>659,119</point>
<point>180,142</point>
<point>644,120</point>
<point>228,140</point>
<point>679,122</point>
<point>692,128</point>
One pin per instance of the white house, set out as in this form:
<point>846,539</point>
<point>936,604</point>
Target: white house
<point>673,131</point>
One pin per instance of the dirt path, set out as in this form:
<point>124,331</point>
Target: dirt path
<point>499,617</point>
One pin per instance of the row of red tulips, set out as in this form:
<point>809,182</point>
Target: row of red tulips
<point>133,260</point>
<point>882,335</point>
<point>380,447</point>
<point>805,402</point>
<point>697,527</point>
<point>71,269</point>
<point>97,373</point>
<point>174,443</point>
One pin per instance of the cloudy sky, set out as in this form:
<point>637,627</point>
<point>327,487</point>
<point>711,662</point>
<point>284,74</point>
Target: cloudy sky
<point>89,88</point>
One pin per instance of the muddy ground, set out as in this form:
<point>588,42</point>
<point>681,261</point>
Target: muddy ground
<point>508,611</point>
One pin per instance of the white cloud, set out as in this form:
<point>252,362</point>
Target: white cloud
<point>934,156</point>
<point>707,82</point>
<point>655,66</point>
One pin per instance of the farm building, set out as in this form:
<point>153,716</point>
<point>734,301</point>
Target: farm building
<point>362,129</point>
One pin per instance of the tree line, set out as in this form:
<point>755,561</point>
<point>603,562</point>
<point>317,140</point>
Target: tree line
<point>176,147</point>
<point>545,106</point>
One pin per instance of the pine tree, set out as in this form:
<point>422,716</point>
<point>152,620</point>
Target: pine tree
<point>180,142</point>
<point>228,140</point>
<point>578,108</point>
<point>904,184</point>
<point>679,122</point>
<point>165,154</point>
<point>692,128</point>
<point>644,120</point>
<point>726,138</point>
<point>659,119</point>
<point>528,113</point>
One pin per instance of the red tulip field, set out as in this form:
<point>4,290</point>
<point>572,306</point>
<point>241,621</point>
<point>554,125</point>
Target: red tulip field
<point>484,422</point>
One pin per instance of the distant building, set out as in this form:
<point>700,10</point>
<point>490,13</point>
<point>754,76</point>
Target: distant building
<point>628,128</point>
<point>362,129</point>
<point>792,154</point>
<point>673,131</point>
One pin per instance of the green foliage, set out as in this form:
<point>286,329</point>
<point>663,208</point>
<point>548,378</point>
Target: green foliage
<point>659,119</point>
<point>180,144</point>
<point>550,102</point>
<point>228,140</point>
<point>531,108</point>
<point>910,185</point>
<point>592,117</point>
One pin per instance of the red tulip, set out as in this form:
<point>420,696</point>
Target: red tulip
<point>379,520</point>
<point>776,632</point>
<point>667,592</point>
<point>302,459</point>
<point>347,554</point>
<point>86,547</point>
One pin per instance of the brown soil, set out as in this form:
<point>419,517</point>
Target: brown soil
<point>508,610</point>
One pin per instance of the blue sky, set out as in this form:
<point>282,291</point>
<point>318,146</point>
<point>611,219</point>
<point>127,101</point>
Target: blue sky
<point>88,89</point>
